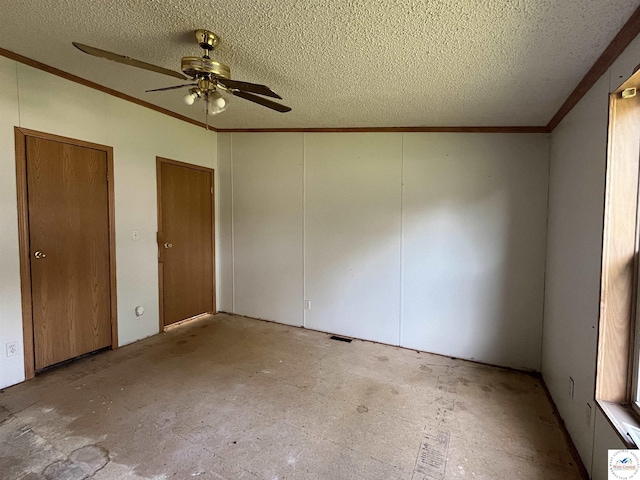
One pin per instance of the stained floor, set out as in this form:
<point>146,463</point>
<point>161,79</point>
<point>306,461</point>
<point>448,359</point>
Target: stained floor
<point>228,397</point>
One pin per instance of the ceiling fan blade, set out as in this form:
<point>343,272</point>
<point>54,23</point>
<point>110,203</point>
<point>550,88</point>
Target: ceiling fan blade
<point>249,87</point>
<point>96,52</point>
<point>261,101</point>
<point>171,88</point>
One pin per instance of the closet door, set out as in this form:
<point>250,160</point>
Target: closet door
<point>186,233</point>
<point>68,209</point>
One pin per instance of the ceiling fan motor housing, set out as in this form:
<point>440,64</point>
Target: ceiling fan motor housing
<point>198,66</point>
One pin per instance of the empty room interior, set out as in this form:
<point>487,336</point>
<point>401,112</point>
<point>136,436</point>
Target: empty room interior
<point>319,240</point>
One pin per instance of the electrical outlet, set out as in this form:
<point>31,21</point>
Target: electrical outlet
<point>587,417</point>
<point>571,387</point>
<point>307,304</point>
<point>12,349</point>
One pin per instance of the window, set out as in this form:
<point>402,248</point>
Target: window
<point>618,367</point>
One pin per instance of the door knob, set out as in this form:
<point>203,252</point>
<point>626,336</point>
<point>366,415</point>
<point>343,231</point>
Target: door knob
<point>39,254</point>
<point>168,245</point>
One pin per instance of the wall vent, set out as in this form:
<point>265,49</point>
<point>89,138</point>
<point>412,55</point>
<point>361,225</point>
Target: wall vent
<point>340,339</point>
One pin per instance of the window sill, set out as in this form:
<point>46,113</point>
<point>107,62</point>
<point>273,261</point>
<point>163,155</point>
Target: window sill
<point>616,414</point>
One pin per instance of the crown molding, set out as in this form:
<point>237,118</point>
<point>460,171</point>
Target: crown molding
<point>625,36</point>
<point>389,129</point>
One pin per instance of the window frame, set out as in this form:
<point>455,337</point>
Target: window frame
<point>618,360</point>
<point>634,380</point>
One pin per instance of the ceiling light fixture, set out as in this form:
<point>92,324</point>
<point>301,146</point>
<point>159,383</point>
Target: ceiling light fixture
<point>191,97</point>
<point>216,103</point>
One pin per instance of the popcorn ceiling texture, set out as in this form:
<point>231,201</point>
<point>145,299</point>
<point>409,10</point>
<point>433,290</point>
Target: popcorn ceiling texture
<point>355,63</point>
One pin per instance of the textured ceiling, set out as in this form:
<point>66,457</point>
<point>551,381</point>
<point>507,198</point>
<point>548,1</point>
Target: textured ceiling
<point>350,63</point>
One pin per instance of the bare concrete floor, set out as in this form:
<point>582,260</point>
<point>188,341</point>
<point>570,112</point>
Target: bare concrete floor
<point>230,397</point>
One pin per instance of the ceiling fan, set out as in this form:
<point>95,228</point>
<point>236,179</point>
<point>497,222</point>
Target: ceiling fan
<point>209,78</point>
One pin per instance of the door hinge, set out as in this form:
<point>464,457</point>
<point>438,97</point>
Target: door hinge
<point>211,190</point>
<point>108,177</point>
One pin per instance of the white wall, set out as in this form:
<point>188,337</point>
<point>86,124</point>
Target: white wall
<point>267,226</point>
<point>352,234</point>
<point>225,222</point>
<point>605,438</point>
<point>11,368</point>
<point>452,263</point>
<point>36,100</point>
<point>474,225</point>
<point>576,202</point>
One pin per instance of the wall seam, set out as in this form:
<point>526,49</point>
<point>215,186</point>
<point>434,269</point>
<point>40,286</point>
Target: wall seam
<point>304,229</point>
<point>233,233</point>
<point>217,227</point>
<point>401,305</point>
<point>106,122</point>
<point>546,257</point>
<point>18,92</point>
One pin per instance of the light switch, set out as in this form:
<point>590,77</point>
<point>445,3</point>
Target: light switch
<point>136,235</point>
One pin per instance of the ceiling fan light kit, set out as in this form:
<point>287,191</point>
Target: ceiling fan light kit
<point>216,103</point>
<point>211,80</point>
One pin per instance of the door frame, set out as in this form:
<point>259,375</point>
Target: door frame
<point>24,247</point>
<point>159,162</point>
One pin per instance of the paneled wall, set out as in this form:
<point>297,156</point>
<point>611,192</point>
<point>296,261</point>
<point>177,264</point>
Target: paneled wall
<point>267,223</point>
<point>352,187</point>
<point>474,229</point>
<point>433,241</point>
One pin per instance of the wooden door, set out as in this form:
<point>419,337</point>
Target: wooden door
<point>185,236</point>
<point>69,243</point>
